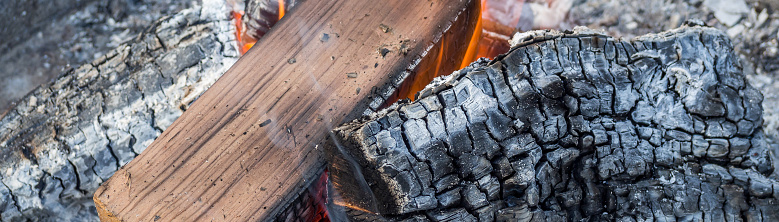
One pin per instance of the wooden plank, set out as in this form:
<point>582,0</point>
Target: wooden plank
<point>249,144</point>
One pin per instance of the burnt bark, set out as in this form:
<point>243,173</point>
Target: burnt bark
<point>577,125</point>
<point>67,137</point>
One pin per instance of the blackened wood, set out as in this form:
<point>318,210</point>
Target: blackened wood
<point>577,126</point>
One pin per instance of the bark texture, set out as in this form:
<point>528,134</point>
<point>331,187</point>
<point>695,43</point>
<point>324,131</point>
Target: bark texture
<point>577,125</point>
<point>67,137</point>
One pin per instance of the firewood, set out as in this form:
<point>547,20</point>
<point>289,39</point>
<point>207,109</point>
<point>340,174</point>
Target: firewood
<point>67,137</point>
<point>577,126</point>
<point>249,145</point>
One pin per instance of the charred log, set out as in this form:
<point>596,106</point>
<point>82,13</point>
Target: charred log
<point>67,137</point>
<point>577,125</point>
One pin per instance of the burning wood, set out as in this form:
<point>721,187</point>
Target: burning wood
<point>556,129</point>
<point>249,146</point>
<point>575,126</point>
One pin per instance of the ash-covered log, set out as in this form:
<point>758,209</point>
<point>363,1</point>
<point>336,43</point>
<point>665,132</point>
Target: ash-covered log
<point>67,137</point>
<point>577,125</point>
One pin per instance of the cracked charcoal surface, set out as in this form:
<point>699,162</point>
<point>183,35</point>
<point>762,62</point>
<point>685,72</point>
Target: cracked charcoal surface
<point>67,137</point>
<point>577,125</point>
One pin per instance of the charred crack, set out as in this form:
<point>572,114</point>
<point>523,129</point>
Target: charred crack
<point>78,177</point>
<point>13,197</point>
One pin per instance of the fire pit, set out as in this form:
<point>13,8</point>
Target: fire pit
<point>341,113</point>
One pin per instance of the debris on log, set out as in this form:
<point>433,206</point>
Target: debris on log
<point>577,126</point>
<point>67,137</point>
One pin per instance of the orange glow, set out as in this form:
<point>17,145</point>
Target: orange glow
<point>311,205</point>
<point>246,47</point>
<point>281,9</point>
<point>500,20</point>
<point>350,206</point>
<point>494,27</point>
<point>440,58</point>
<point>453,52</point>
<point>237,15</point>
<point>245,40</point>
<point>473,45</point>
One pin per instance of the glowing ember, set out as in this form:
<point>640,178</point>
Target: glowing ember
<point>281,9</point>
<point>312,203</point>
<point>245,42</point>
<point>271,12</point>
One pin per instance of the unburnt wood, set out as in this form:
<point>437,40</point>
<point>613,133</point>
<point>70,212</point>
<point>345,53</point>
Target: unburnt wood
<point>248,146</point>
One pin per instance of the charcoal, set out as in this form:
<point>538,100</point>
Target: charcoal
<point>489,185</point>
<point>446,182</point>
<point>414,111</point>
<point>473,198</point>
<point>502,167</point>
<point>473,166</point>
<point>458,214</point>
<point>582,126</point>
<point>514,214</point>
<point>449,198</point>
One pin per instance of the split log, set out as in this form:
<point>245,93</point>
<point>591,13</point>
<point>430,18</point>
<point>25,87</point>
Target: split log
<point>577,126</point>
<point>67,137</point>
<point>249,145</point>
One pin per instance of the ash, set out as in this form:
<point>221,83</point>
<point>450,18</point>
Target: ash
<point>41,40</point>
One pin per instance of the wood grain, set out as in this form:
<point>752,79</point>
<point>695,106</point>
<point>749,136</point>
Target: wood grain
<point>249,144</point>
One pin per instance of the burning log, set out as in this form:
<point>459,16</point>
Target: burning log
<point>250,145</point>
<point>67,137</point>
<point>573,126</point>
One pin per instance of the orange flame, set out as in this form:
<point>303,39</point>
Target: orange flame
<point>449,55</point>
<point>471,54</point>
<point>281,9</point>
<point>246,41</point>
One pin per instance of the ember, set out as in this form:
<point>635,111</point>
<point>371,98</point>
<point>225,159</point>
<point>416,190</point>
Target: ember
<point>312,204</point>
<point>251,29</point>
